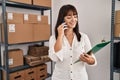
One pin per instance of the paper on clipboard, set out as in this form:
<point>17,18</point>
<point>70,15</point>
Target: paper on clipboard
<point>96,48</point>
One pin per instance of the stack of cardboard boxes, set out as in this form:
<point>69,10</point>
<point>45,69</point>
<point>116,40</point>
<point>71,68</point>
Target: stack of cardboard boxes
<point>117,24</point>
<point>36,73</point>
<point>26,28</point>
<point>37,55</point>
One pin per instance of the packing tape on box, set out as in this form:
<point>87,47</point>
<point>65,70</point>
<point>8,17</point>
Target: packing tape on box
<point>11,27</point>
<point>10,16</point>
<point>39,18</point>
<point>26,17</point>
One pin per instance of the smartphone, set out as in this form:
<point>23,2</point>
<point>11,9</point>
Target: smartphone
<point>65,25</point>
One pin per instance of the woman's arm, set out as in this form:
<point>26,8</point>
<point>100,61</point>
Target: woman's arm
<point>90,59</point>
<point>55,45</point>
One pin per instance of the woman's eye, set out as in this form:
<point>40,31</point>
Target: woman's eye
<point>75,16</point>
<point>69,17</point>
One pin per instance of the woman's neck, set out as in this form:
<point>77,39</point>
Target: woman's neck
<point>69,32</point>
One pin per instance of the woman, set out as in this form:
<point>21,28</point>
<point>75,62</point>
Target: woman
<point>69,45</point>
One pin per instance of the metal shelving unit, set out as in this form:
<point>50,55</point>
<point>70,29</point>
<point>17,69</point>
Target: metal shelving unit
<point>112,68</point>
<point>7,3</point>
<point>112,41</point>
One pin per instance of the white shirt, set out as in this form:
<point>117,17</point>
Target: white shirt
<point>65,69</point>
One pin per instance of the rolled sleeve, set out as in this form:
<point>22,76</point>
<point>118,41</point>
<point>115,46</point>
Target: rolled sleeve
<point>95,60</point>
<point>55,56</point>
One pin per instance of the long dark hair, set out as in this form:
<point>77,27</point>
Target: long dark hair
<point>62,13</point>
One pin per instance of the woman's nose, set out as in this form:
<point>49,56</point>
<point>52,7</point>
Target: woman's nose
<point>73,19</point>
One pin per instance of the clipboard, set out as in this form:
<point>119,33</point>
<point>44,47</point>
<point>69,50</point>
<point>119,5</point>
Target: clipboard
<point>96,48</point>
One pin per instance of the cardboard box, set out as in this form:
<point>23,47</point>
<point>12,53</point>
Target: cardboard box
<point>44,19</point>
<point>30,74</point>
<point>29,58</point>
<point>15,58</point>
<point>19,33</point>
<point>14,17</point>
<point>19,75</point>
<point>46,3</point>
<point>35,63</point>
<point>42,77</point>
<point>30,18</point>
<point>117,30</point>
<point>41,72</point>
<point>30,78</point>
<point>41,32</point>
<point>117,16</point>
<point>38,50</point>
<point>30,71</point>
<point>22,1</point>
<point>41,69</point>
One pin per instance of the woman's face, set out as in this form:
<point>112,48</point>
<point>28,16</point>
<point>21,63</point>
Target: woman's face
<point>71,19</point>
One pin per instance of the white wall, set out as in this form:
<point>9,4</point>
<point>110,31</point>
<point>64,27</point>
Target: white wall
<point>94,20</point>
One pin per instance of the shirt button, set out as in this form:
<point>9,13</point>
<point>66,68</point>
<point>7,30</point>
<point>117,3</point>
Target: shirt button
<point>70,48</point>
<point>71,71</point>
<point>70,64</point>
<point>71,56</point>
<point>71,79</point>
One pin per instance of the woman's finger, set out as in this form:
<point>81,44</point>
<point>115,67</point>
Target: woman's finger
<point>86,55</point>
<point>82,57</point>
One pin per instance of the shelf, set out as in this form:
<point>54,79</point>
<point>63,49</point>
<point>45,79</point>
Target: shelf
<point>27,66</point>
<point>2,68</point>
<point>26,43</point>
<point>18,68</point>
<point>25,6</point>
<point>21,68</point>
<point>117,70</point>
<point>117,38</point>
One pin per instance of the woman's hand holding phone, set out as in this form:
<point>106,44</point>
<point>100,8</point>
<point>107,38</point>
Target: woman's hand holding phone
<point>65,26</point>
<point>61,29</point>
